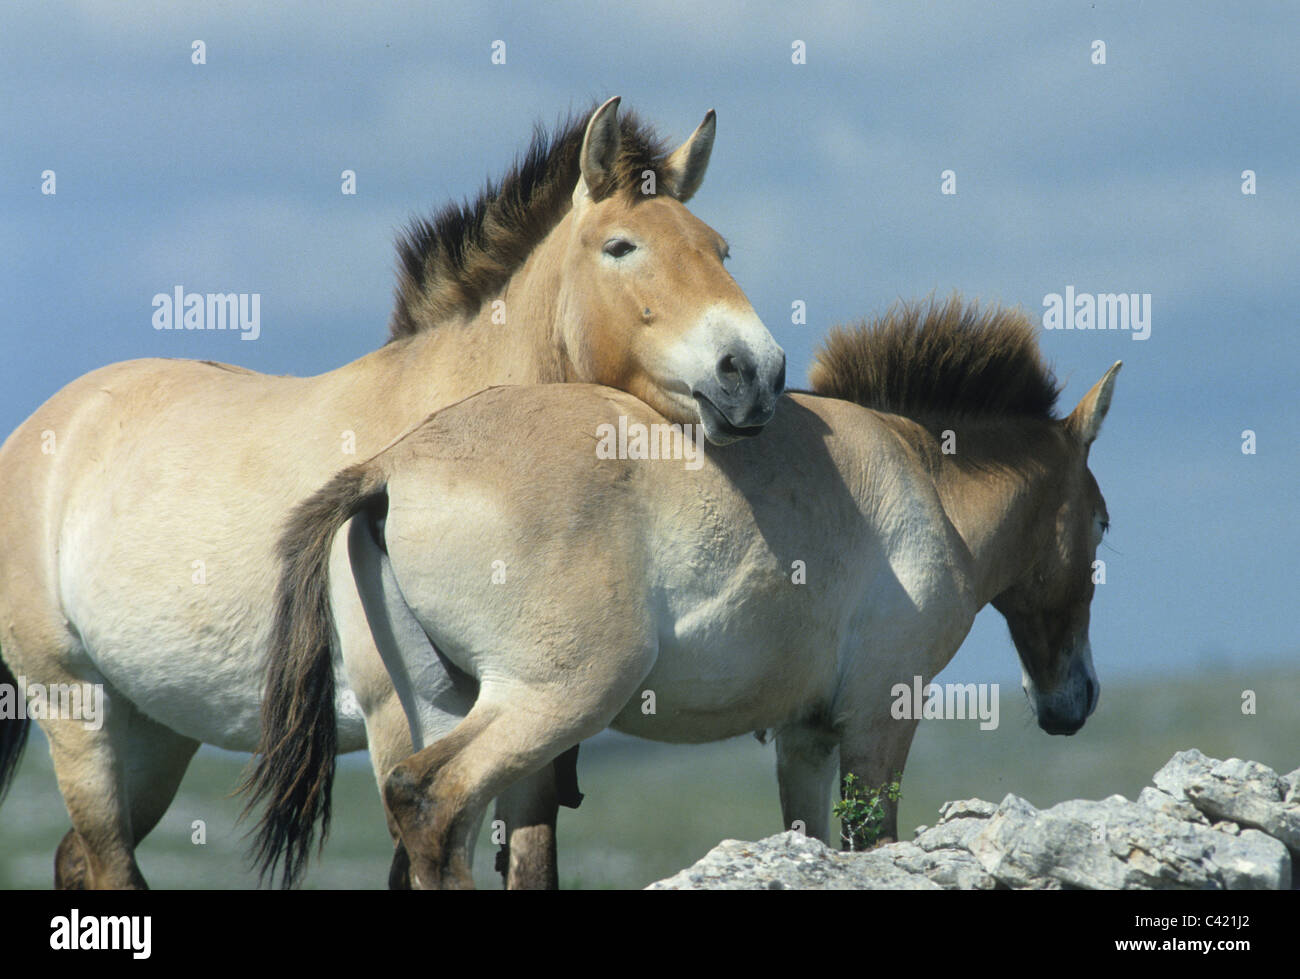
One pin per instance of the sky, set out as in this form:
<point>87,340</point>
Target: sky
<point>827,179</point>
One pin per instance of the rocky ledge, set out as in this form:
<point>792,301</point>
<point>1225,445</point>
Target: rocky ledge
<point>1204,824</point>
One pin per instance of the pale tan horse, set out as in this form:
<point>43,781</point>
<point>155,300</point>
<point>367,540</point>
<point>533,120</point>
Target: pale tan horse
<point>527,591</point>
<point>141,504</point>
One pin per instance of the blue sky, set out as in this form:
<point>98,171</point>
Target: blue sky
<point>1123,177</point>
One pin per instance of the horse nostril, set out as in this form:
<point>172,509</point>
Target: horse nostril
<point>779,386</point>
<point>729,373</point>
<point>736,372</point>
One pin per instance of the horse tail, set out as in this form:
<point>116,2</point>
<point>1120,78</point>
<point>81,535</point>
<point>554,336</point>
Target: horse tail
<point>13,734</point>
<point>293,771</point>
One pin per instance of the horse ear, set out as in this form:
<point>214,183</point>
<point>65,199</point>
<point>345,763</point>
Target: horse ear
<point>684,170</point>
<point>599,150</point>
<point>1085,421</point>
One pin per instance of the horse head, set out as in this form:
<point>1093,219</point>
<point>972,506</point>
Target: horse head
<point>1047,608</point>
<point>646,304</point>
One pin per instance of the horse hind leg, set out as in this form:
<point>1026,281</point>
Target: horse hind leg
<point>388,741</point>
<point>157,759</point>
<point>433,803</point>
<point>528,811</point>
<point>389,737</point>
<point>71,864</point>
<point>388,657</point>
<point>438,795</point>
<point>117,782</point>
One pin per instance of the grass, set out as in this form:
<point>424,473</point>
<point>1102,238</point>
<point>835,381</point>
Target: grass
<point>652,809</point>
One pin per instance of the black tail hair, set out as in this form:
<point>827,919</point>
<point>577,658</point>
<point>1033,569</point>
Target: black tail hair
<point>294,768</point>
<point>13,735</point>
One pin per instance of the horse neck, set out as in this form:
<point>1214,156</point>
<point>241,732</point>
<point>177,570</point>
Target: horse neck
<point>516,343</point>
<point>995,488</point>
<point>513,338</point>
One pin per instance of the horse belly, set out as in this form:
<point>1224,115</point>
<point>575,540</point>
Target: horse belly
<point>202,679</point>
<point>197,678</point>
<point>180,630</point>
<point>705,687</point>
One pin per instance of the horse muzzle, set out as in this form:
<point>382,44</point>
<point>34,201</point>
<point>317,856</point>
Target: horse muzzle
<point>740,398</point>
<point>1065,710</point>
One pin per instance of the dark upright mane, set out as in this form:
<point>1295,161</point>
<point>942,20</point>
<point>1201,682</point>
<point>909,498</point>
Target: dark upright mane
<point>939,360</point>
<point>452,264</point>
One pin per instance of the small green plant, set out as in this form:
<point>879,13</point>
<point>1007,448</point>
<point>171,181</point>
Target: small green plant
<point>861,810</point>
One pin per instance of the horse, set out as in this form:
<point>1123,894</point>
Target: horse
<point>139,506</point>
<point>539,564</point>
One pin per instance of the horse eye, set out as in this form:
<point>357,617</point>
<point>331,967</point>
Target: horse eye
<point>618,247</point>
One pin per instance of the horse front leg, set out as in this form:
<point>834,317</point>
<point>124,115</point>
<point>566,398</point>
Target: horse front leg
<point>805,772</point>
<point>874,753</point>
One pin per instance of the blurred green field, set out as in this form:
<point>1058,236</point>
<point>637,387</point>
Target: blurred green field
<point>652,809</point>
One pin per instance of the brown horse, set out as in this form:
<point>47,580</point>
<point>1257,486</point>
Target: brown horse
<point>528,586</point>
<point>140,505</point>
